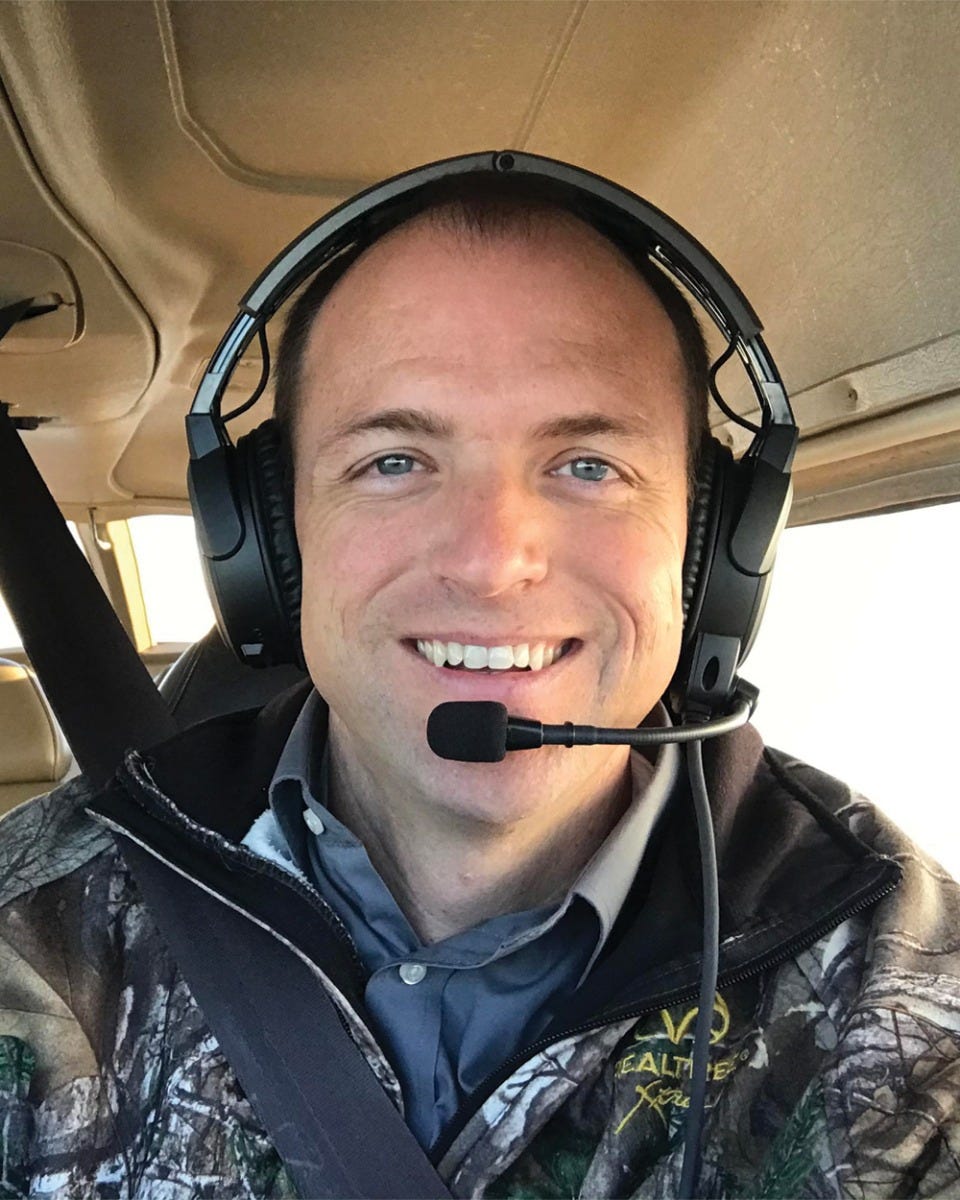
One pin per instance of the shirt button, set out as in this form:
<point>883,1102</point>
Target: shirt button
<point>312,821</point>
<point>412,972</point>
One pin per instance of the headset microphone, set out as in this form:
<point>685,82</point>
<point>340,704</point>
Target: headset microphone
<point>482,731</point>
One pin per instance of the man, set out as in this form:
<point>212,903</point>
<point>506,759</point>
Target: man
<point>490,419</point>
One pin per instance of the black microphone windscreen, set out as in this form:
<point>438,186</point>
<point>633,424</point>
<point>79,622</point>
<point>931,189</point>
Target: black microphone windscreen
<point>468,731</point>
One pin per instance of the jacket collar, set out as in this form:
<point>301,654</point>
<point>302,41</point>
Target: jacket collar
<point>789,869</point>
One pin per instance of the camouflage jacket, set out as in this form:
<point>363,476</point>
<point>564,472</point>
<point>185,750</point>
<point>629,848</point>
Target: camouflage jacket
<point>835,1056</point>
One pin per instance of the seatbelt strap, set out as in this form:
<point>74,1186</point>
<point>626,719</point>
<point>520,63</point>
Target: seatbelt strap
<point>101,692</point>
<point>334,1127</point>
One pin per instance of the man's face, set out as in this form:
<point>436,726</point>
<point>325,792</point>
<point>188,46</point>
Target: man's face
<point>490,453</point>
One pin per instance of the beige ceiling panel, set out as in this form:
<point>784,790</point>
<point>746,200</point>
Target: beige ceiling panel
<point>917,387</point>
<point>155,460</point>
<point>156,457</point>
<point>287,95</point>
<point>95,354</point>
<point>90,90</point>
<point>80,460</point>
<point>814,148</point>
<point>896,476</point>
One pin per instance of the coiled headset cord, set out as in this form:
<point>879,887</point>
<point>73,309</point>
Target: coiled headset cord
<point>692,1151</point>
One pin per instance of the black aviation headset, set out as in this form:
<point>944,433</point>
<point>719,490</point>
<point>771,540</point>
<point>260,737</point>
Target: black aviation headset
<point>241,501</point>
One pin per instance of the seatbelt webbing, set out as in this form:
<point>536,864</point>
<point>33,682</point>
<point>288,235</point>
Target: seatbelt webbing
<point>335,1128</point>
<point>101,692</point>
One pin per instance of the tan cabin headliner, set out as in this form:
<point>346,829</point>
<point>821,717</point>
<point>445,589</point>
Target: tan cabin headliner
<point>154,156</point>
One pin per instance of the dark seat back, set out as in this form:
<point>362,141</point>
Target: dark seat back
<point>208,681</point>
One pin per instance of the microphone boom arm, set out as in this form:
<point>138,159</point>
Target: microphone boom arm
<point>531,735</point>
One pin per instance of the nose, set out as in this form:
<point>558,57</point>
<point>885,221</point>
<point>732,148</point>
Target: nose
<point>492,538</point>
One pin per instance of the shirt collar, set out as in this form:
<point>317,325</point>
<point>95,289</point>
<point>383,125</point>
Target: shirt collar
<point>606,879</point>
<point>301,759</point>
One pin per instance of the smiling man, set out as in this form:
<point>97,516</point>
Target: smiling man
<point>491,495</point>
<point>491,420</point>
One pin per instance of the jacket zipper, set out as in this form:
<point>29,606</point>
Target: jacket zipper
<point>772,959</point>
<point>170,815</point>
<point>308,893</point>
<point>281,878</point>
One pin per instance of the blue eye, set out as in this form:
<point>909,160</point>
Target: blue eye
<point>590,470</point>
<point>394,464</point>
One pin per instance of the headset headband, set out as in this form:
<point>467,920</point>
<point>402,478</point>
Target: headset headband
<point>610,208</point>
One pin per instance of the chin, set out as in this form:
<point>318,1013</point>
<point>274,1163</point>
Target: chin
<point>524,784</point>
<point>499,811</point>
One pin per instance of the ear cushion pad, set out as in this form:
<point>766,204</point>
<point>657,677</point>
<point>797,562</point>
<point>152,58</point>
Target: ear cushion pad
<point>701,526</point>
<point>273,513</point>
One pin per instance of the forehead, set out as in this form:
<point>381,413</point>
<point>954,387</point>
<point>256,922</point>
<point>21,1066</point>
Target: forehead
<point>556,299</point>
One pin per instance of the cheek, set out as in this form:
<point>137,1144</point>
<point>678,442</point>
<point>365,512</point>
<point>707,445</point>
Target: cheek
<point>348,561</point>
<point>641,573</point>
<point>643,602</point>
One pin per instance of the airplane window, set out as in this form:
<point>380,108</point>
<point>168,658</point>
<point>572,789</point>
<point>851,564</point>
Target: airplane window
<point>857,662</point>
<point>9,635</point>
<point>171,579</point>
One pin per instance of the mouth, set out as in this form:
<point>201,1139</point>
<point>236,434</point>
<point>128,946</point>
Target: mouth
<point>467,656</point>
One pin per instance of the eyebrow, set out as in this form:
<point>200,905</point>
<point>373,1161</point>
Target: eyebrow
<point>420,421</point>
<point>396,420</point>
<point>593,424</point>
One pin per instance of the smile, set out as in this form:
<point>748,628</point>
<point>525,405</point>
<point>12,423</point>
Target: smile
<point>525,656</point>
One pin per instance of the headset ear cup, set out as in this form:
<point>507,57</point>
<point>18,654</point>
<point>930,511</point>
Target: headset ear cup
<point>272,510</point>
<point>736,518</point>
<point>701,531</point>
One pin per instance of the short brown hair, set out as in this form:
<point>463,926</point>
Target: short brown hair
<point>493,209</point>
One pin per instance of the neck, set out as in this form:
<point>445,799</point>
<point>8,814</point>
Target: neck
<point>449,872</point>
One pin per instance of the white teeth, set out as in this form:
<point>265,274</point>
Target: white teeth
<point>474,657</point>
<point>536,655</point>
<point>500,658</point>
<point>433,651</point>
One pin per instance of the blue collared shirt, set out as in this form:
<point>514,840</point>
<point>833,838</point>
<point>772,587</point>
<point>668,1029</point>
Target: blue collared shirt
<point>452,1012</point>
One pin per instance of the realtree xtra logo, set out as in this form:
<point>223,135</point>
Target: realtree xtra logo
<point>664,1069</point>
